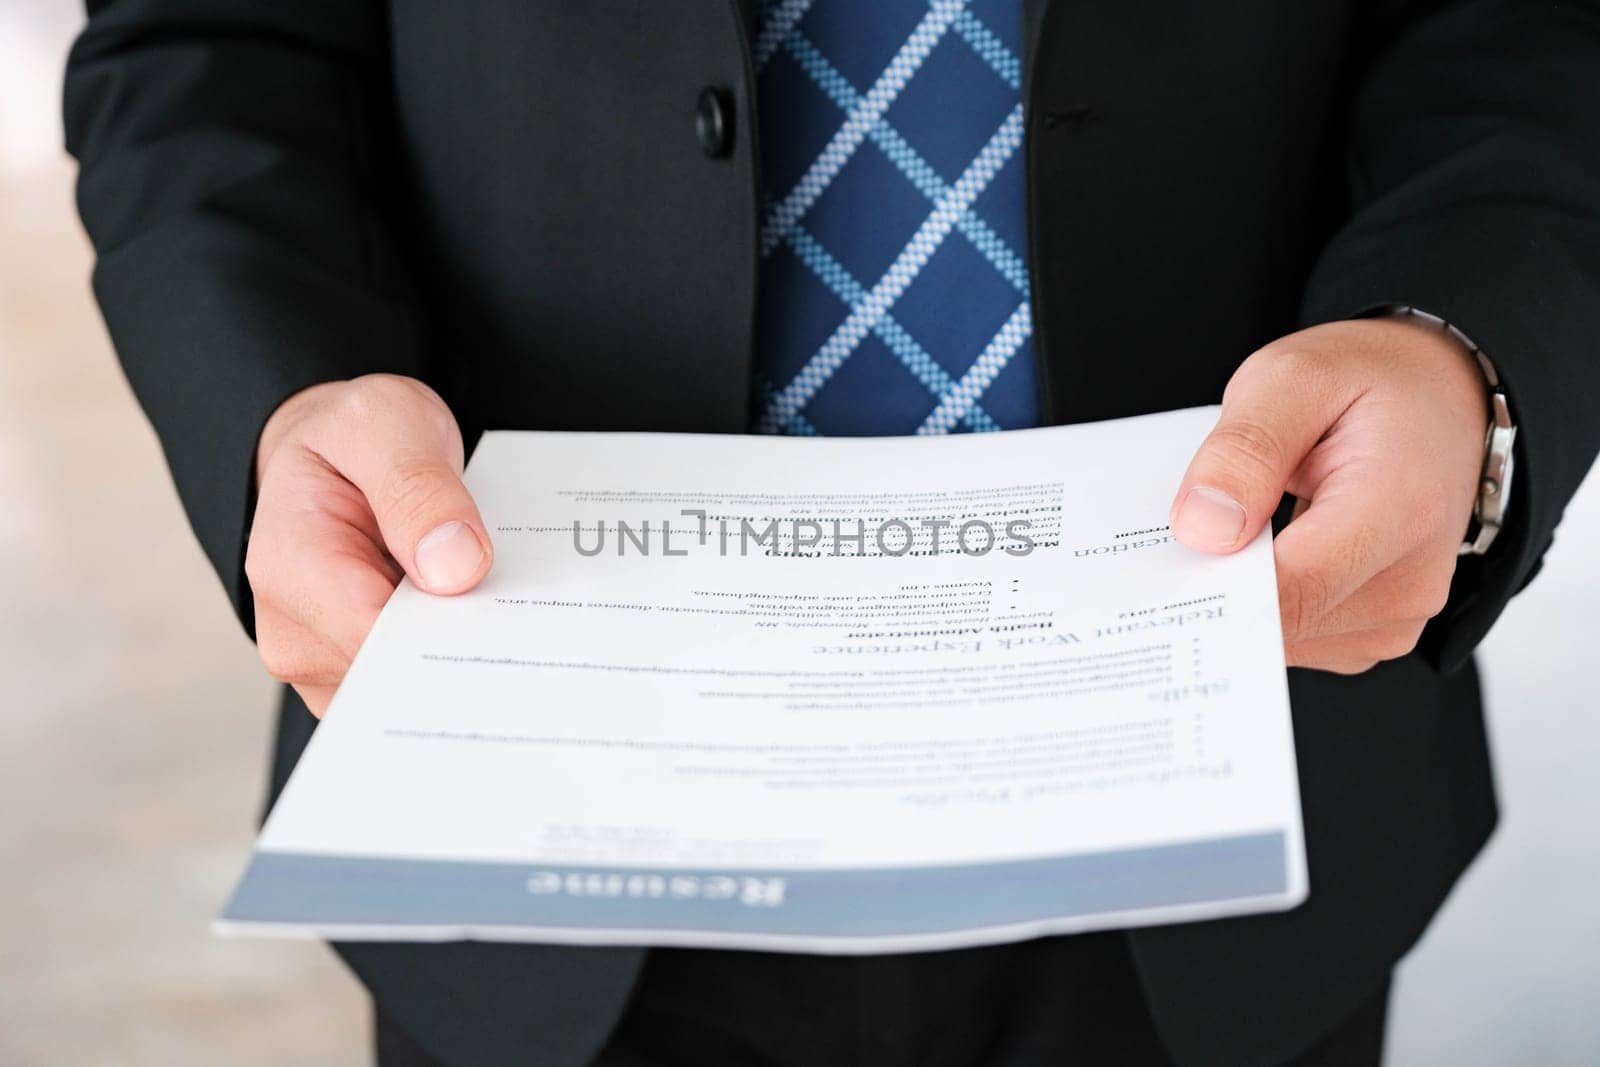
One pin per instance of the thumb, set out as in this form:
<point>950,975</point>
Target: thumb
<point>1238,476</point>
<point>400,446</point>
<point>436,516</point>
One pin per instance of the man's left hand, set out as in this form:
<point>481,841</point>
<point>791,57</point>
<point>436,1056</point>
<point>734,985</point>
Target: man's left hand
<point>1377,427</point>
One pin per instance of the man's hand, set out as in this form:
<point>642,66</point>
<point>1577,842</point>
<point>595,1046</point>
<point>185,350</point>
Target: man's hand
<point>358,482</point>
<point>1377,426</point>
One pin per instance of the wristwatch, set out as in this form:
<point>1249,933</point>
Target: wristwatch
<point>1499,460</point>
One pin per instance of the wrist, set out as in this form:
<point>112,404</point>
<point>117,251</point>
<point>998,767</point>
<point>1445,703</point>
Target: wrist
<point>1448,362</point>
<point>1496,465</point>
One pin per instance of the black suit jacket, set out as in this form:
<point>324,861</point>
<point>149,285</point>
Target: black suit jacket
<point>507,198</point>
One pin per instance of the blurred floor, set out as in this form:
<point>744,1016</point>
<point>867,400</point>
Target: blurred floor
<point>136,721</point>
<point>1510,971</point>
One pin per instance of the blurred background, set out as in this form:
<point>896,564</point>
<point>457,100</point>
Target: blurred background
<point>136,724</point>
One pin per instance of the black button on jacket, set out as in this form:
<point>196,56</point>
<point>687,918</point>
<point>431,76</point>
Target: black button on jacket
<point>713,121</point>
<point>534,206</point>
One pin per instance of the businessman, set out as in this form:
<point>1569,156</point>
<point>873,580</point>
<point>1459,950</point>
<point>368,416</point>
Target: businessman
<point>338,239</point>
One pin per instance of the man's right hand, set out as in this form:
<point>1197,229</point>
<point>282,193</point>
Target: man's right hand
<point>357,483</point>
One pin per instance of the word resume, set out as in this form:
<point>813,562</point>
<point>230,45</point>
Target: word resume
<point>816,695</point>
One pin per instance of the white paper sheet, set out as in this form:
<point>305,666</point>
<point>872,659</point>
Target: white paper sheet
<point>825,747</point>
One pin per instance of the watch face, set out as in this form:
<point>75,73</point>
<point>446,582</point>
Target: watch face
<point>1494,491</point>
<point>1504,496</point>
<point>1498,466</point>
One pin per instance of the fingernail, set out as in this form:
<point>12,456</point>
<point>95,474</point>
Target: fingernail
<point>448,557</point>
<point>1209,520</point>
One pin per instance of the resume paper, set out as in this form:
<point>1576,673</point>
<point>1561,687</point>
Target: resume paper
<point>804,694</point>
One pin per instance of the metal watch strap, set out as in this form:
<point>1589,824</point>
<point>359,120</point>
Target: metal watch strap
<point>1494,478</point>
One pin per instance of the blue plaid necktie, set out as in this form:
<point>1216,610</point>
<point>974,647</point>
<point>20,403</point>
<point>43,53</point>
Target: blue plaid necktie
<point>894,293</point>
